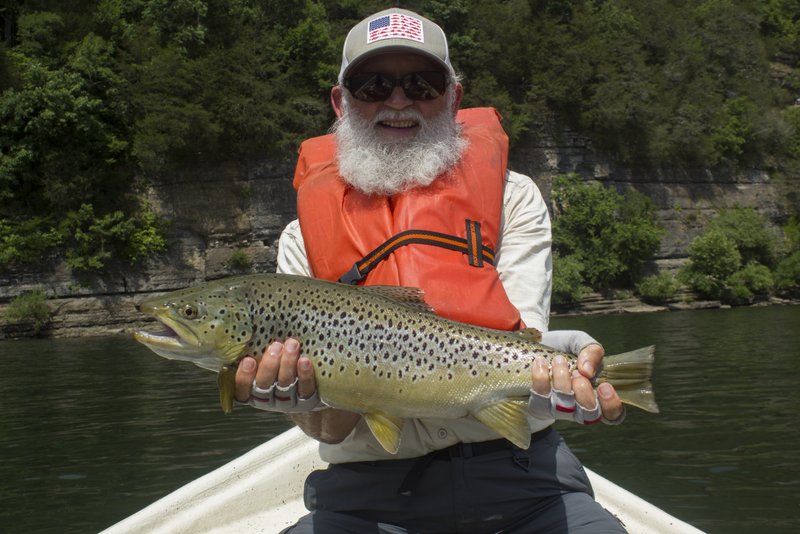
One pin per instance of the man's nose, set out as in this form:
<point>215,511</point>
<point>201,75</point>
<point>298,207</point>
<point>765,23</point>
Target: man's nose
<point>398,99</point>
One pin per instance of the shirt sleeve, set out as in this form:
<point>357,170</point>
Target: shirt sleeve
<point>524,259</point>
<point>292,258</point>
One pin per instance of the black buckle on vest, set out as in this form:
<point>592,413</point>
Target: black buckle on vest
<point>353,276</point>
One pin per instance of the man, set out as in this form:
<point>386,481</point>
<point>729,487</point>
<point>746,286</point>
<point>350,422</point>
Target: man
<point>403,157</point>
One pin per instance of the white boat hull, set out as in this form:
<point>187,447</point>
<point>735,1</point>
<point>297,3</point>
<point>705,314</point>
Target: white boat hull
<point>261,491</point>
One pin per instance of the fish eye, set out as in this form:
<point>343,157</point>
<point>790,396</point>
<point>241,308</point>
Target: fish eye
<point>190,312</point>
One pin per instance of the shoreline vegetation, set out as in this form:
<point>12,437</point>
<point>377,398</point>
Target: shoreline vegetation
<point>605,259</point>
<point>95,316</point>
<point>113,115</point>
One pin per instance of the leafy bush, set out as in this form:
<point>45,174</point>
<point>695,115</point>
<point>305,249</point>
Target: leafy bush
<point>612,235</point>
<point>787,274</point>
<point>29,308</point>
<point>92,241</point>
<point>791,233</point>
<point>239,261</point>
<point>713,257</point>
<point>658,289</point>
<point>743,285</point>
<point>25,241</point>
<point>568,286</point>
<point>749,232</point>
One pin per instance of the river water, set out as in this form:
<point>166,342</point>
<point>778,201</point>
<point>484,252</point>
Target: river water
<point>93,429</point>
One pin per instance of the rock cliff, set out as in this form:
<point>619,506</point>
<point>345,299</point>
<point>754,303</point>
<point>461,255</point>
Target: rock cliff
<point>244,207</point>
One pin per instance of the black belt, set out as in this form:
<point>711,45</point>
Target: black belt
<point>461,450</point>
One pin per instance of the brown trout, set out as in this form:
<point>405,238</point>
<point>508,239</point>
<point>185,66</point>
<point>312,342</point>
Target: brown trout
<point>379,351</point>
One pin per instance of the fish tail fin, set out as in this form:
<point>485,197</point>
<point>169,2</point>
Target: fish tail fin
<point>226,380</point>
<point>630,374</point>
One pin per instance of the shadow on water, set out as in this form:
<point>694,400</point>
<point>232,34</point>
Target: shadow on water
<point>723,452</point>
<point>92,430</point>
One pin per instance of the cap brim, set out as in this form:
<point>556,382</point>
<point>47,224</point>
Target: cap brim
<point>396,48</point>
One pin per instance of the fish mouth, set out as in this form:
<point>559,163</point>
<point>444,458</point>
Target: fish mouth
<point>170,335</point>
<point>171,343</point>
<point>166,337</point>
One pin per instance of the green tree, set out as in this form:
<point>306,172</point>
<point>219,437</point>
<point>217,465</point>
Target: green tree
<point>611,234</point>
<point>748,230</point>
<point>713,257</point>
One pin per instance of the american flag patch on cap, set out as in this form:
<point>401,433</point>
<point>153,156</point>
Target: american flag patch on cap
<point>395,25</point>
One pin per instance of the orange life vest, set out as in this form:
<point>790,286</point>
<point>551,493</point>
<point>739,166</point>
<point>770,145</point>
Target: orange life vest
<point>341,226</point>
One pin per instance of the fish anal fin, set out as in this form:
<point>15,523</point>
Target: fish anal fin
<point>531,334</point>
<point>509,418</point>
<point>386,430</point>
<point>410,297</point>
<point>226,380</point>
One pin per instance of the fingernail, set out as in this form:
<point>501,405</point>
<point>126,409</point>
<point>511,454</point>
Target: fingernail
<point>305,364</point>
<point>605,391</point>
<point>559,359</point>
<point>292,345</point>
<point>589,368</point>
<point>248,364</point>
<point>274,349</point>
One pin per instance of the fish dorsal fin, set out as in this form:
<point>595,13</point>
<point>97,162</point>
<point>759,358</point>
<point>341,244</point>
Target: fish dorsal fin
<point>531,334</point>
<point>509,418</point>
<point>410,297</point>
<point>386,430</point>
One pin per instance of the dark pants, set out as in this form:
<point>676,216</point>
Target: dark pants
<point>465,490</point>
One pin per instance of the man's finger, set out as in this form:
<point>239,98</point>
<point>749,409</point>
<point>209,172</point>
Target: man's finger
<point>609,402</point>
<point>589,359</point>
<point>306,385</point>
<point>288,368</point>
<point>561,375</point>
<point>245,373</point>
<point>540,376</point>
<point>584,392</point>
<point>270,363</point>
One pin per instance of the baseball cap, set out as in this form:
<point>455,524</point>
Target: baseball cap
<point>394,30</point>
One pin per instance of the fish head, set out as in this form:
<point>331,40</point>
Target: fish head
<point>209,325</point>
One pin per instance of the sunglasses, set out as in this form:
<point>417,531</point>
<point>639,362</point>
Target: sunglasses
<point>374,87</point>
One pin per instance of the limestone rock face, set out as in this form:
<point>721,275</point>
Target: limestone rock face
<point>228,221</point>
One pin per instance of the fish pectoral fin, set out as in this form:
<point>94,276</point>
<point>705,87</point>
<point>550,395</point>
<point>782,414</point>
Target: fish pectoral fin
<point>386,430</point>
<point>235,351</point>
<point>531,334</point>
<point>509,418</point>
<point>226,380</point>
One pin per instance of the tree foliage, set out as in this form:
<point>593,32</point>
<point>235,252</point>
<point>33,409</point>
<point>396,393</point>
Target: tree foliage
<point>738,259</point>
<point>610,234</point>
<point>101,96</point>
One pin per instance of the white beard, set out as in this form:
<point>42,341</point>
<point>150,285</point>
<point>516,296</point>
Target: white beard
<point>374,166</point>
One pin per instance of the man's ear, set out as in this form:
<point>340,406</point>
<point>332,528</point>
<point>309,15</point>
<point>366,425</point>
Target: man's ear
<point>457,100</point>
<point>336,100</point>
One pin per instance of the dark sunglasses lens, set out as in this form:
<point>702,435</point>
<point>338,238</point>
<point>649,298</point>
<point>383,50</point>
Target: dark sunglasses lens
<point>371,87</point>
<point>424,85</point>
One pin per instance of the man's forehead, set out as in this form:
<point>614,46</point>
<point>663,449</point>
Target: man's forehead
<point>394,63</point>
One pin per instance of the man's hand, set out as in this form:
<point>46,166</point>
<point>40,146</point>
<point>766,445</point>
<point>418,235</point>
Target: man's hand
<point>282,381</point>
<point>561,394</point>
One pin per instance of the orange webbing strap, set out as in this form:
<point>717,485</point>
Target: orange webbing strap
<point>476,252</point>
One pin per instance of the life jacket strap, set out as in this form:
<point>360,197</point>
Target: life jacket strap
<point>477,253</point>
